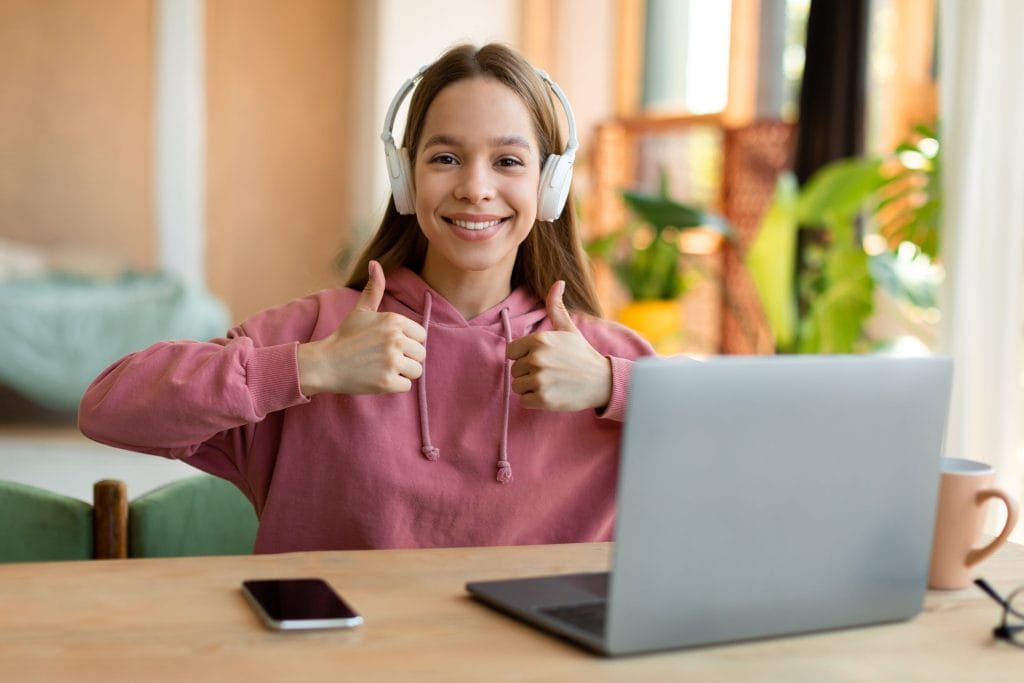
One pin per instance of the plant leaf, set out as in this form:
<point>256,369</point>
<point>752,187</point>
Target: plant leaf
<point>836,318</point>
<point>661,212</point>
<point>838,191</point>
<point>771,260</point>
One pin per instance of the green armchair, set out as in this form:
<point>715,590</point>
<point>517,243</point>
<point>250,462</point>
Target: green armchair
<point>202,515</point>
<point>37,525</point>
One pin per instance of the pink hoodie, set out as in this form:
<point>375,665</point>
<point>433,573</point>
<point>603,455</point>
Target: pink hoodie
<point>457,461</point>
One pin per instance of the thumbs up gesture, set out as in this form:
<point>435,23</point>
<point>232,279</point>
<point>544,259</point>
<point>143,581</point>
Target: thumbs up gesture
<point>558,369</point>
<point>368,353</point>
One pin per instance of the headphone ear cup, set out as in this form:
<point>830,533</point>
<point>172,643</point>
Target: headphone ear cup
<point>555,179</point>
<point>401,187</point>
<point>400,176</point>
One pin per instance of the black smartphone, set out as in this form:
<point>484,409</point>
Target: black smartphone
<point>299,604</point>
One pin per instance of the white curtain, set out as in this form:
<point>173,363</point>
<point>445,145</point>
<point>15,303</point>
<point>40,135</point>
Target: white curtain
<point>981,72</point>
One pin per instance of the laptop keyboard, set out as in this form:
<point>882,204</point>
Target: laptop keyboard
<point>595,583</point>
<point>587,616</point>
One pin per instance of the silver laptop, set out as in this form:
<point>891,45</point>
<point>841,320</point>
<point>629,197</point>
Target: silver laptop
<point>758,497</point>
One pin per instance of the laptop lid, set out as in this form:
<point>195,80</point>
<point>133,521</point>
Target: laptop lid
<point>762,496</point>
<point>758,496</point>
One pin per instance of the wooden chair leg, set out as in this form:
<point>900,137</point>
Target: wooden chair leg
<point>110,510</point>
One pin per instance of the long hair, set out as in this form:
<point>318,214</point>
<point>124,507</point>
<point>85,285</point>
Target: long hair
<point>553,250</point>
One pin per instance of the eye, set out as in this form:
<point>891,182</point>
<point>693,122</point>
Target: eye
<point>445,159</point>
<point>510,162</point>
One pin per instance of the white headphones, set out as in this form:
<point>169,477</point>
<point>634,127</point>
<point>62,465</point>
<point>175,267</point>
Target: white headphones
<point>555,177</point>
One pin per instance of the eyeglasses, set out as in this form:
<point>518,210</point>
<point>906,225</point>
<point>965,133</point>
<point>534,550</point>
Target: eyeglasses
<point>1012,628</point>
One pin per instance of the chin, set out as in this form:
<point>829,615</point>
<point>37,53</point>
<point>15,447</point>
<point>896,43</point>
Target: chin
<point>479,264</point>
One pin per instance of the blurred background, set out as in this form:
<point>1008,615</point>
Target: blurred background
<point>754,176</point>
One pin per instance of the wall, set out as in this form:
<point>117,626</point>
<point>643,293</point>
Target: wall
<point>77,147</point>
<point>76,125</point>
<point>582,54</point>
<point>279,108</point>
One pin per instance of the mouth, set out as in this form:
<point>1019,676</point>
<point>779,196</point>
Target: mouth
<point>477,224</point>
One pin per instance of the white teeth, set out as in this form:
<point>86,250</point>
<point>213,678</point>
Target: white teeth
<point>475,226</point>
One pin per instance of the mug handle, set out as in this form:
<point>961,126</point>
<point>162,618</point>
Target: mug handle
<point>979,554</point>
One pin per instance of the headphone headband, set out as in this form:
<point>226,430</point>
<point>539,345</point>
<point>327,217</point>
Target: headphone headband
<point>556,174</point>
<point>396,102</point>
<point>571,143</point>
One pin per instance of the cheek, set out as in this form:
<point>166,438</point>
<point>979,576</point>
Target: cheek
<point>526,196</point>
<point>425,192</point>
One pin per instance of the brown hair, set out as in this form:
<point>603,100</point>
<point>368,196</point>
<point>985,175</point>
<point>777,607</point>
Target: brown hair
<point>553,250</point>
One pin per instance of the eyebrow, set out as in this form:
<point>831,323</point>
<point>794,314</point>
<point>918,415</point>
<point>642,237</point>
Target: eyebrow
<point>502,141</point>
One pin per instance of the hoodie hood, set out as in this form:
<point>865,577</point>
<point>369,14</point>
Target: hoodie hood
<point>525,311</point>
<point>515,316</point>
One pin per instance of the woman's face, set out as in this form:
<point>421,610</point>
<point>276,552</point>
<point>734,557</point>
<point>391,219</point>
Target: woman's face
<point>477,173</point>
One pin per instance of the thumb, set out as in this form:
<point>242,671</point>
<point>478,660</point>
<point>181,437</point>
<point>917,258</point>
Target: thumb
<point>557,311</point>
<point>373,292</point>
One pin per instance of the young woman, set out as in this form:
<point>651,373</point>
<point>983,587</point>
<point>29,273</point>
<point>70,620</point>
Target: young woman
<point>460,391</point>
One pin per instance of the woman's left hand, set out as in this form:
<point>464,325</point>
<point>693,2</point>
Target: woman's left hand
<point>558,369</point>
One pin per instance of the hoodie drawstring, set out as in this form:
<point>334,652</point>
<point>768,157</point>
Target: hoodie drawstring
<point>429,452</point>
<point>504,468</point>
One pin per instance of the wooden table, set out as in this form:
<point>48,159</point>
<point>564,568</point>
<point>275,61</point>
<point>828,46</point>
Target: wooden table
<point>184,619</point>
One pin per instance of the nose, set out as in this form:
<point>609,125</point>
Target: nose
<point>476,183</point>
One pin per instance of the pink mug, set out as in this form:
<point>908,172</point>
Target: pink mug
<point>965,487</point>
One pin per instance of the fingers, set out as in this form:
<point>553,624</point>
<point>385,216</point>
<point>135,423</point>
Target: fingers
<point>404,355</point>
<point>411,329</point>
<point>525,384</point>
<point>409,368</point>
<point>373,292</point>
<point>558,369</point>
<point>403,349</point>
<point>557,312</point>
<point>373,352</point>
<point>398,384</point>
<point>539,344</point>
<point>371,296</point>
<point>414,349</point>
<point>560,319</point>
<point>518,348</point>
<point>394,374</point>
<point>521,368</point>
<point>534,394</point>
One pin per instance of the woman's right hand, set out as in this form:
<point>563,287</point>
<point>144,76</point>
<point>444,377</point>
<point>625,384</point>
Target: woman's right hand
<point>369,352</point>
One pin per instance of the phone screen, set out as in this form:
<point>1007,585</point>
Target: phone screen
<point>299,603</point>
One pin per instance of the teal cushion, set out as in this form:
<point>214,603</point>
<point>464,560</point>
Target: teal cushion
<point>37,525</point>
<point>99,321</point>
<point>201,515</point>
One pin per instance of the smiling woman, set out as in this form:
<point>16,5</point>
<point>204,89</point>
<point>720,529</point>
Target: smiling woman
<point>390,413</point>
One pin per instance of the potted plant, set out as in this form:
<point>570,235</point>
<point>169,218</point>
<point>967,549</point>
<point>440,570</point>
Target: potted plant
<point>822,306</point>
<point>647,260</point>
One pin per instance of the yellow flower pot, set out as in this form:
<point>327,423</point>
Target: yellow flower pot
<point>659,322</point>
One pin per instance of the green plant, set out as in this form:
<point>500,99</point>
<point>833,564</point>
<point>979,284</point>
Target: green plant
<point>822,304</point>
<point>910,209</point>
<point>645,254</point>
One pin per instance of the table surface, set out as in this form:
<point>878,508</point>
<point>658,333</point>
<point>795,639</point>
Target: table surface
<point>184,619</point>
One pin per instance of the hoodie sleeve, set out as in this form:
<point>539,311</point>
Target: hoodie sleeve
<point>616,408</point>
<point>172,397</point>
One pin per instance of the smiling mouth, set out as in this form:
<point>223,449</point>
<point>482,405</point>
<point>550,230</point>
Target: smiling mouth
<point>475,225</point>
